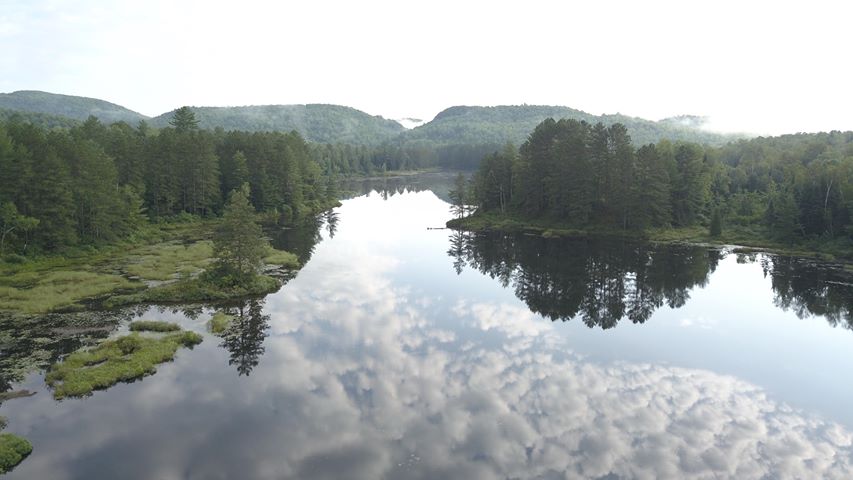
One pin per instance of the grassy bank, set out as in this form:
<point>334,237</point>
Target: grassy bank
<point>738,235</point>
<point>162,265</point>
<point>123,359</point>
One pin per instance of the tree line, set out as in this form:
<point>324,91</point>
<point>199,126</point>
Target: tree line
<point>93,183</point>
<point>794,186</point>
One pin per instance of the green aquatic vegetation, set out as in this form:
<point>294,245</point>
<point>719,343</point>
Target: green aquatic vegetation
<point>153,326</point>
<point>37,292</point>
<point>13,450</point>
<point>281,258</point>
<point>166,261</point>
<point>198,290</point>
<point>219,322</point>
<point>121,360</point>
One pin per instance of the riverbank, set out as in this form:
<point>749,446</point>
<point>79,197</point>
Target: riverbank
<point>162,263</point>
<point>742,237</point>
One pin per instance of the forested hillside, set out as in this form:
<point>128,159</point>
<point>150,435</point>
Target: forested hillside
<point>458,137</point>
<point>512,123</point>
<point>75,108</point>
<point>96,183</point>
<point>575,173</point>
<point>316,122</point>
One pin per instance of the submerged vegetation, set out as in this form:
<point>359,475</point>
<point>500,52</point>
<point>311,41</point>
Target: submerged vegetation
<point>37,292</point>
<point>153,326</point>
<point>123,359</point>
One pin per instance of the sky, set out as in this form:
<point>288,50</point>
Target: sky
<point>756,67</point>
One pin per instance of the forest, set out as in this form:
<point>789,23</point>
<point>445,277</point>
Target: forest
<point>570,172</point>
<point>92,184</point>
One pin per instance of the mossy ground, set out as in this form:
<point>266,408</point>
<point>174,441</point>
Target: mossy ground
<point>13,450</point>
<point>219,323</point>
<point>120,360</point>
<point>741,235</point>
<point>153,326</point>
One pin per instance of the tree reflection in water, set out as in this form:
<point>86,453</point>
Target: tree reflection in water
<point>244,338</point>
<point>603,281</point>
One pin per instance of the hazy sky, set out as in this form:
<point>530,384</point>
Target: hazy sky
<point>766,67</point>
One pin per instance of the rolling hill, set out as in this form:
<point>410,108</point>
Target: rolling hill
<point>316,122</point>
<point>75,108</point>
<point>465,125</point>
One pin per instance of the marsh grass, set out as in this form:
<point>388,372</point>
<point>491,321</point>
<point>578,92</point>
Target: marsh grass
<point>166,261</point>
<point>281,258</point>
<point>13,450</point>
<point>39,292</point>
<point>219,323</point>
<point>153,326</point>
<point>121,360</point>
<point>196,290</point>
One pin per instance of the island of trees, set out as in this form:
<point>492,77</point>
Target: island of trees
<point>573,176</point>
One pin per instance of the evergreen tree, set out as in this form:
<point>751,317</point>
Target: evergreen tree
<point>238,243</point>
<point>458,196</point>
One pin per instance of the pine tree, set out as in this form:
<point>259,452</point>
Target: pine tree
<point>238,243</point>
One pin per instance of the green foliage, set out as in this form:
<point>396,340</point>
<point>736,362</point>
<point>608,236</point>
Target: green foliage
<point>121,360</point>
<point>238,243</point>
<point>581,176</point>
<point>281,258</point>
<point>459,196</point>
<point>219,323</point>
<point>209,287</point>
<point>716,228</point>
<point>153,326</point>
<point>128,344</point>
<point>13,450</point>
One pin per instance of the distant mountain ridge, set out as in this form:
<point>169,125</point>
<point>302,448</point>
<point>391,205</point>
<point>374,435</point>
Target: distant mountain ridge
<point>513,123</point>
<point>320,123</point>
<point>323,123</point>
<point>73,107</point>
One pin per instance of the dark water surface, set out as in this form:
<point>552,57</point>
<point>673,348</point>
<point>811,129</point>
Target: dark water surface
<point>404,352</point>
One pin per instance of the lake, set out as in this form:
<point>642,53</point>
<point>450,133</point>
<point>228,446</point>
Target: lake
<point>405,350</point>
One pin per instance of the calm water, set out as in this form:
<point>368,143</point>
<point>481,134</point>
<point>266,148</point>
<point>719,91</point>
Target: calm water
<point>404,352</point>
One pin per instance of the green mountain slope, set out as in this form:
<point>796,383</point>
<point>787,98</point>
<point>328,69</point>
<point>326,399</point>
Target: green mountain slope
<point>76,108</point>
<point>497,125</point>
<point>316,122</point>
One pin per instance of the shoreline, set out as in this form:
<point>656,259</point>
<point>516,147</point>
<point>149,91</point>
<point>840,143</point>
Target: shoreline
<point>738,238</point>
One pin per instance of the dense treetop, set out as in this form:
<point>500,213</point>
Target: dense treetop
<point>790,187</point>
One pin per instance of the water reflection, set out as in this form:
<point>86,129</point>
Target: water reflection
<point>602,281</point>
<point>377,361</point>
<point>811,289</point>
<point>244,338</point>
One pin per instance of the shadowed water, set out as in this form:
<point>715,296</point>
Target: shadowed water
<point>404,352</point>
